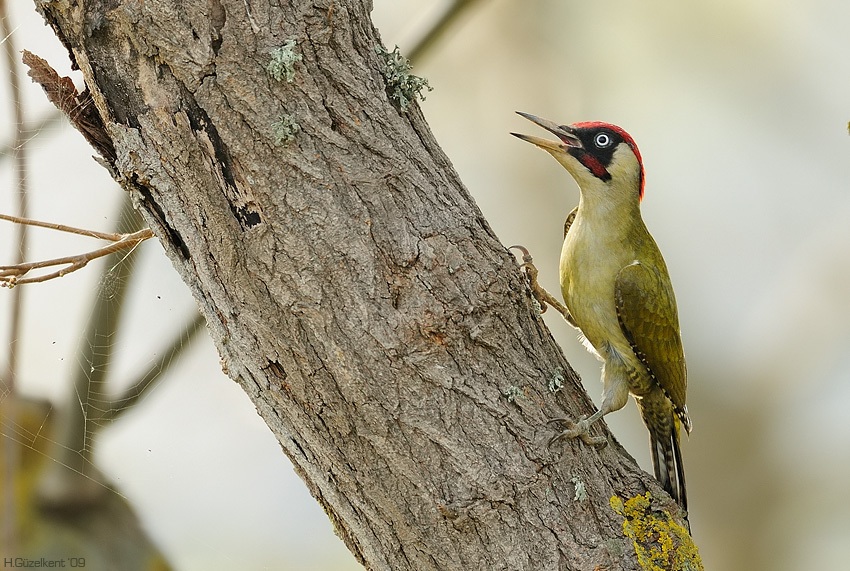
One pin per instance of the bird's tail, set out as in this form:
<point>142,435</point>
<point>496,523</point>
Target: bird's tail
<point>667,455</point>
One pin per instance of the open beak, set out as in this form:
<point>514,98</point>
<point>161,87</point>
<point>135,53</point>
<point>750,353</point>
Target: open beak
<point>564,133</point>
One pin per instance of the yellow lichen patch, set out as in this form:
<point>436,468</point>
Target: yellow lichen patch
<point>660,543</point>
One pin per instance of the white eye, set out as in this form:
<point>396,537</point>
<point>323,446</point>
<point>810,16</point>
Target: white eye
<point>602,140</point>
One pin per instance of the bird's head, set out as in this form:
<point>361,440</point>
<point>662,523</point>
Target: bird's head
<point>594,153</point>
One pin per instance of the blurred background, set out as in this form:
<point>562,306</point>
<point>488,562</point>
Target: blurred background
<point>740,110</point>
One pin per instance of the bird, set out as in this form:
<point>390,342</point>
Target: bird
<point>617,291</point>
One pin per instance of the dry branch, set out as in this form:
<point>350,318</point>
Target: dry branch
<point>13,275</point>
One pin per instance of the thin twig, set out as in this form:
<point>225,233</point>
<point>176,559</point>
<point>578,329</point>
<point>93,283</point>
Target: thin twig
<point>111,236</point>
<point>11,276</point>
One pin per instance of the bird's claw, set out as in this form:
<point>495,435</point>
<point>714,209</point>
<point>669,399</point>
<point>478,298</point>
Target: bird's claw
<point>580,429</point>
<point>526,255</point>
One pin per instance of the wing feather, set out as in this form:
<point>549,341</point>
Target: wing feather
<point>646,309</point>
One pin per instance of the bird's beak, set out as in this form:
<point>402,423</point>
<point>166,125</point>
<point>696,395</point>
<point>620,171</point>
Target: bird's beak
<point>564,133</point>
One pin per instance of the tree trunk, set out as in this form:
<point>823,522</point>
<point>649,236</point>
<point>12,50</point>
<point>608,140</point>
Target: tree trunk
<point>351,285</point>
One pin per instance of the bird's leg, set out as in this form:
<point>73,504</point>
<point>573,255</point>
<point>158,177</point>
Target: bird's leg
<point>615,394</point>
<point>580,429</point>
<point>543,297</point>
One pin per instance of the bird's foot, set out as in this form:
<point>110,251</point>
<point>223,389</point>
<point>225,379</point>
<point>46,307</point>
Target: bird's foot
<point>580,429</point>
<point>543,297</point>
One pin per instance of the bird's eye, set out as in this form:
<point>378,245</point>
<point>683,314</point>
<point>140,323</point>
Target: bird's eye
<point>602,140</point>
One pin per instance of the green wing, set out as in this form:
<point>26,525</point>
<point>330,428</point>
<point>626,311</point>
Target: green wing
<point>646,309</point>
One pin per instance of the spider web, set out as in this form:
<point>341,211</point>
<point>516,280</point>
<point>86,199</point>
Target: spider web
<point>86,348</point>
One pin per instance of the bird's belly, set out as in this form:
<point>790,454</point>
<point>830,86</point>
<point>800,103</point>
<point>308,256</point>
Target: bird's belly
<point>588,289</point>
<point>596,317</point>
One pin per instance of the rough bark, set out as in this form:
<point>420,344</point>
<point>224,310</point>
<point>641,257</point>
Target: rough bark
<point>351,285</point>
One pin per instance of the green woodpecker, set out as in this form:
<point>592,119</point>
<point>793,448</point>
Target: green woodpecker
<point>617,291</point>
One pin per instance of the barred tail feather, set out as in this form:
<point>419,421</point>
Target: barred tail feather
<point>667,462</point>
<point>669,470</point>
<point>680,471</point>
<point>663,424</point>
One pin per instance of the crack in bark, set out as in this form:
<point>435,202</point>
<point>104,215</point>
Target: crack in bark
<point>242,206</point>
<point>152,206</point>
